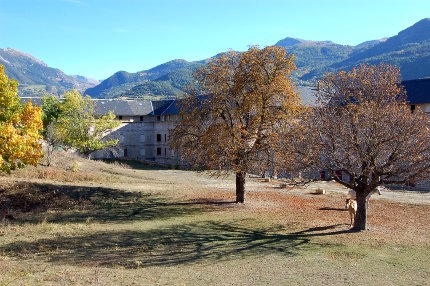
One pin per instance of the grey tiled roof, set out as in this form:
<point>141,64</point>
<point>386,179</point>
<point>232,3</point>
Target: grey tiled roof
<point>123,107</point>
<point>307,94</point>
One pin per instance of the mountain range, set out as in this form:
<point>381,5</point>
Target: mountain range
<point>36,78</point>
<point>409,50</point>
<point>165,80</point>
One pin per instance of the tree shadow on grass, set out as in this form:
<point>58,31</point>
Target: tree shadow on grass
<point>136,165</point>
<point>34,202</point>
<point>207,241</point>
<point>323,231</point>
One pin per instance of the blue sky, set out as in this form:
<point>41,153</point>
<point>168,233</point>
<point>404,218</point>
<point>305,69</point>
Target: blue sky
<point>96,38</point>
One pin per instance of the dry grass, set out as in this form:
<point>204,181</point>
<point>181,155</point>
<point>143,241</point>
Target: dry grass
<point>125,224</point>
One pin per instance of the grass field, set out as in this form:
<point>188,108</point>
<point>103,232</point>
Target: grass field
<point>120,224</point>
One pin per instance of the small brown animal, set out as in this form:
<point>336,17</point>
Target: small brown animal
<point>352,208</point>
<point>351,195</point>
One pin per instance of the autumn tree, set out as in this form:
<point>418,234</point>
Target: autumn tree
<point>78,126</point>
<point>20,127</point>
<point>229,120</point>
<point>364,128</point>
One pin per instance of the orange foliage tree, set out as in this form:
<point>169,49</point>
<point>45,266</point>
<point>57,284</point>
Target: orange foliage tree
<point>20,127</point>
<point>230,118</point>
<point>363,127</point>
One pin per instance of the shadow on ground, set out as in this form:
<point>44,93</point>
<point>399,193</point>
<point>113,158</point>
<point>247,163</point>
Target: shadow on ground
<point>34,202</point>
<point>333,209</point>
<point>136,165</point>
<point>180,244</point>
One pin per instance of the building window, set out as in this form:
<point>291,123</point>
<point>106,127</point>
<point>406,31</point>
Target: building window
<point>158,137</point>
<point>158,151</point>
<point>125,152</point>
<point>413,108</point>
<point>142,152</point>
<point>142,138</point>
<point>158,118</point>
<point>165,137</point>
<point>120,117</point>
<point>141,118</point>
<point>165,151</point>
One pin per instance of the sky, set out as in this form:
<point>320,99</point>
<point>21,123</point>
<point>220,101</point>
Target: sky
<point>96,38</point>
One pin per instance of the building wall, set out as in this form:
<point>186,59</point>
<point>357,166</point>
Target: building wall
<point>146,139</point>
<point>128,118</point>
<point>424,107</point>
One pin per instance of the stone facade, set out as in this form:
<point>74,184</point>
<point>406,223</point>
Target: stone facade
<point>142,136</point>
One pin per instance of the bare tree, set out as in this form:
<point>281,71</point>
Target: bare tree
<point>364,128</point>
<point>229,120</point>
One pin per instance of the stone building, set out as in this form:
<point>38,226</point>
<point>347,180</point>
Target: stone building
<point>145,124</point>
<point>144,130</point>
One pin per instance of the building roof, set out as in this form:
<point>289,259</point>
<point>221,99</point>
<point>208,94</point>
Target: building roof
<point>417,90</point>
<point>123,107</point>
<point>136,107</point>
<point>307,95</point>
<point>160,106</point>
<point>165,107</point>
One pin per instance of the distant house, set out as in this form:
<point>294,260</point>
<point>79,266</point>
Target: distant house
<point>144,130</point>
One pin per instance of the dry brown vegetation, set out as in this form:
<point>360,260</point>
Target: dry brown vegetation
<point>127,224</point>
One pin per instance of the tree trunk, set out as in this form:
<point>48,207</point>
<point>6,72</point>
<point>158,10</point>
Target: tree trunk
<point>360,221</point>
<point>240,187</point>
<point>50,150</point>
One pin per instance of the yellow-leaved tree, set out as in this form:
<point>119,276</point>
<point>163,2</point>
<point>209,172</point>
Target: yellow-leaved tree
<point>80,128</point>
<point>20,126</point>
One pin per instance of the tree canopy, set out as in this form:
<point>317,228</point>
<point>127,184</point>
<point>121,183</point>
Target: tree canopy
<point>364,128</point>
<point>229,120</point>
<point>78,127</point>
<point>20,127</point>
